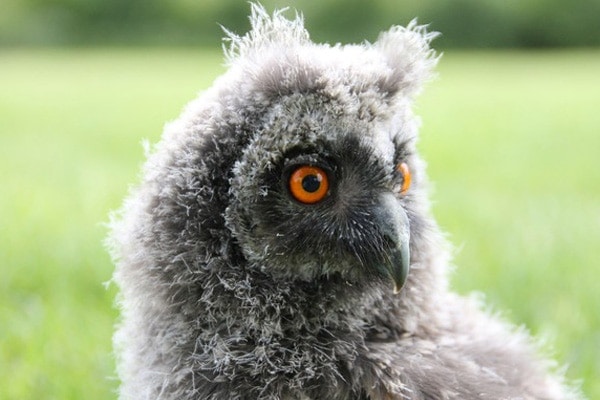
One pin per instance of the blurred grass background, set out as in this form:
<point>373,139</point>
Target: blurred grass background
<point>470,23</point>
<point>511,138</point>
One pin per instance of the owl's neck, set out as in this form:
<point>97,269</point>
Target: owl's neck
<point>253,305</point>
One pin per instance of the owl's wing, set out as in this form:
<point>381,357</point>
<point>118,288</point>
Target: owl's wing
<point>421,369</point>
<point>467,365</point>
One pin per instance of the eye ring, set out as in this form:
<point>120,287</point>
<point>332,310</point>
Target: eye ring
<point>406,177</point>
<point>308,184</point>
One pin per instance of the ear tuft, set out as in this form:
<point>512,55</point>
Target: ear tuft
<point>407,52</point>
<point>266,31</point>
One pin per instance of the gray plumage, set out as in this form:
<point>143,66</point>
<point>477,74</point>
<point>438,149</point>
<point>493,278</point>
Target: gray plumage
<point>231,288</point>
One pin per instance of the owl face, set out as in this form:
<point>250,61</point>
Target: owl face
<point>322,194</point>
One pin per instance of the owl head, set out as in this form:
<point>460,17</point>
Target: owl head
<point>299,163</point>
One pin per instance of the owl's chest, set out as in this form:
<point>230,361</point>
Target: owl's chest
<point>279,352</point>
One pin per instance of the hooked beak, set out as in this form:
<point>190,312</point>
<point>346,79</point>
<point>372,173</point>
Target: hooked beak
<point>395,230</point>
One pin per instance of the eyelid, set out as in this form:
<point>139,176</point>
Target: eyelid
<point>307,159</point>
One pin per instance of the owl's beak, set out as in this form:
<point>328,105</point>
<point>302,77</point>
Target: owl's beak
<point>395,227</point>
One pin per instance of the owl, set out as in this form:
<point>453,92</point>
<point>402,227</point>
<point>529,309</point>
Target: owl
<point>280,244</point>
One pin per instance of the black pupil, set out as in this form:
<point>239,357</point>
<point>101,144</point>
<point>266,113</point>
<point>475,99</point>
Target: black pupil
<point>311,183</point>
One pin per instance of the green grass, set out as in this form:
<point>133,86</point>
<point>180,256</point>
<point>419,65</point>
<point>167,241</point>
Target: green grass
<point>512,142</point>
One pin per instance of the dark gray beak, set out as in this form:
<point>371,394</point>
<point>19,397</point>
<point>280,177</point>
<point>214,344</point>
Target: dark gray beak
<point>395,230</point>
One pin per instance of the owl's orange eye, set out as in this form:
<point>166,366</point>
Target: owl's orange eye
<point>406,179</point>
<point>309,184</point>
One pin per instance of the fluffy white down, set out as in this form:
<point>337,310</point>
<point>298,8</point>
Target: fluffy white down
<point>186,306</point>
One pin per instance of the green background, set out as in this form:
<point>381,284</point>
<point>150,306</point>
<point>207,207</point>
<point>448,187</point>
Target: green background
<point>464,23</point>
<point>511,139</point>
